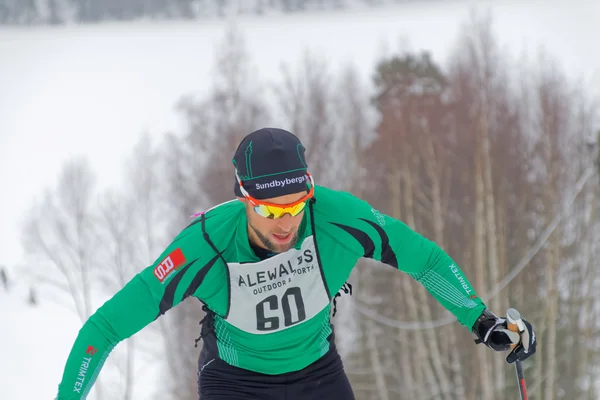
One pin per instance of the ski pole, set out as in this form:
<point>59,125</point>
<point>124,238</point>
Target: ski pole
<point>515,324</point>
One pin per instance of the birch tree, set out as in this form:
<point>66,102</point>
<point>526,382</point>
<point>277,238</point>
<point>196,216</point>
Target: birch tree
<point>305,100</point>
<point>119,266</point>
<point>60,233</point>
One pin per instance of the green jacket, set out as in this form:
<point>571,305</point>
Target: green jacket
<point>271,316</point>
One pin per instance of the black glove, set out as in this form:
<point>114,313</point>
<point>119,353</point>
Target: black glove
<point>494,333</point>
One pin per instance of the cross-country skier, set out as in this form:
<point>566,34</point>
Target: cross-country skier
<point>266,267</point>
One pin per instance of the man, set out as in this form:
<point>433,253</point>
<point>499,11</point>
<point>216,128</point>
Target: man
<point>266,266</point>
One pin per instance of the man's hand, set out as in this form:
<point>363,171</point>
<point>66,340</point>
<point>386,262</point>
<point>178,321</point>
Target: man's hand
<point>494,333</point>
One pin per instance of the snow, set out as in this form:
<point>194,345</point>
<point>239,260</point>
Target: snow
<point>34,341</point>
<point>91,90</point>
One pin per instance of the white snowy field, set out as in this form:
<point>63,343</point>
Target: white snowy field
<point>35,341</point>
<point>32,339</point>
<point>92,90</point>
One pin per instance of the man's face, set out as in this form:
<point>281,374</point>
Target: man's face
<point>277,235</point>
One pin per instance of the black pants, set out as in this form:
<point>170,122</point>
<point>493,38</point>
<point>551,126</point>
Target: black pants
<point>325,379</point>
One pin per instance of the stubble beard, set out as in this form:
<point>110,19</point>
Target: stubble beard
<point>272,246</point>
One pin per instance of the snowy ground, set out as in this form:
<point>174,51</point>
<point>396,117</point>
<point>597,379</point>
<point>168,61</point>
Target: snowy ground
<point>92,90</point>
<point>35,341</point>
<point>28,348</point>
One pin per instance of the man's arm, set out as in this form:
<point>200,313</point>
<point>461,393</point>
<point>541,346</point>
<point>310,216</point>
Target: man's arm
<point>422,259</point>
<point>148,295</point>
<point>392,242</point>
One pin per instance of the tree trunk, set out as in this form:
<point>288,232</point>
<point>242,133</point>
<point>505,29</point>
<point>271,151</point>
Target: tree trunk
<point>436,175</point>
<point>490,221</point>
<point>434,350</point>
<point>408,364</point>
<point>423,369</point>
<point>486,383</point>
<point>588,294</point>
<point>552,290</point>
<point>503,298</point>
<point>376,364</point>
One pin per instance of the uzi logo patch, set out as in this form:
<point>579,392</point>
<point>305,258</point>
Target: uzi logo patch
<point>170,264</point>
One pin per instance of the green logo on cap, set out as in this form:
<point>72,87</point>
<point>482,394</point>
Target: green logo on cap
<point>248,154</point>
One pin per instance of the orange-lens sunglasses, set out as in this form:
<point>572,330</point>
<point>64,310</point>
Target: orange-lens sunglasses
<point>274,211</point>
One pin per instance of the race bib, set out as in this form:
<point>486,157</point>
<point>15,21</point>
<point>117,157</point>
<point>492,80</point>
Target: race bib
<point>277,293</point>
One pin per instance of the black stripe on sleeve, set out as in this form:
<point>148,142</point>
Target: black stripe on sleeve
<point>361,237</point>
<point>185,231</point>
<point>166,303</point>
<point>198,220</point>
<point>199,278</point>
<point>387,253</point>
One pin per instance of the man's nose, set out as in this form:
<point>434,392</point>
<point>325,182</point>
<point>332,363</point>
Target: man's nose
<point>285,222</point>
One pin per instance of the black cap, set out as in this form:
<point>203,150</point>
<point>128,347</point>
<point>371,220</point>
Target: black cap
<point>270,162</point>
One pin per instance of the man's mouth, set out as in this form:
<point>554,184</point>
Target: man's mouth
<point>282,237</point>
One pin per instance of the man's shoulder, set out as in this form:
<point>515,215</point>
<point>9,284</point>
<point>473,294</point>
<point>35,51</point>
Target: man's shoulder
<point>213,221</point>
<point>343,219</point>
<point>226,213</point>
<point>329,194</point>
<point>339,207</point>
<point>338,201</point>
<point>227,209</point>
